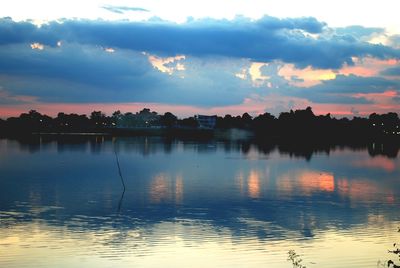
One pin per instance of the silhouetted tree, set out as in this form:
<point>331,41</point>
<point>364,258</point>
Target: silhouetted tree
<point>381,132</point>
<point>100,120</point>
<point>168,120</point>
<point>190,122</point>
<point>72,122</point>
<point>265,124</point>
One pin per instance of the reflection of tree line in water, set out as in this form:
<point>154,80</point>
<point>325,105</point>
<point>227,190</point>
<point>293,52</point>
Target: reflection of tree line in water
<point>148,145</point>
<point>299,134</point>
<point>297,261</point>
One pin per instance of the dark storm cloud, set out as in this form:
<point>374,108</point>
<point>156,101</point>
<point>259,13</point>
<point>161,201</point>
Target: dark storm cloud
<point>81,64</point>
<point>265,39</point>
<point>80,74</point>
<point>12,32</point>
<point>75,73</point>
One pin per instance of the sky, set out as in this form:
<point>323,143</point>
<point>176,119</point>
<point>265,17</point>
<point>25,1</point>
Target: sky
<point>200,57</point>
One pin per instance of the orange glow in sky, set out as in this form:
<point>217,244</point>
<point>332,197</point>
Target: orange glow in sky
<point>161,64</point>
<point>367,67</point>
<point>308,76</point>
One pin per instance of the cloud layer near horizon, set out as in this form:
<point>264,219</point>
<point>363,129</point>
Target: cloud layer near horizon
<point>204,62</point>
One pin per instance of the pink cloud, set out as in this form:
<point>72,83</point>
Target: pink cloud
<point>367,66</point>
<point>307,77</point>
<point>379,98</point>
<point>6,96</point>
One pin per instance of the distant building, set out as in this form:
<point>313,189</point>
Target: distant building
<point>206,121</point>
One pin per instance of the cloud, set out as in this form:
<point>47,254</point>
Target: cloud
<point>356,84</point>
<point>167,65</point>
<point>208,64</point>
<point>394,41</point>
<point>349,89</point>
<point>6,98</point>
<point>123,9</point>
<point>343,89</point>
<point>386,98</point>
<point>75,73</point>
<point>394,71</point>
<point>367,67</point>
<point>328,98</point>
<point>300,41</point>
<point>304,77</point>
<point>358,31</point>
<point>322,86</point>
<point>79,64</point>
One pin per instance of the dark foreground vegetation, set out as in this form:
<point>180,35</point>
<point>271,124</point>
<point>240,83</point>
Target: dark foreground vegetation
<point>297,261</point>
<point>301,126</point>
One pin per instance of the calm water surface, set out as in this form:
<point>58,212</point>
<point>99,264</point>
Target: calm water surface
<point>193,204</point>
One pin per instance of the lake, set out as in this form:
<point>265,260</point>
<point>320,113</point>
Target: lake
<point>193,204</point>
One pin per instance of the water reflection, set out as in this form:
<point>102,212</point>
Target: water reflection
<point>239,204</point>
<point>307,182</point>
<point>377,162</point>
<point>150,145</point>
<point>164,189</point>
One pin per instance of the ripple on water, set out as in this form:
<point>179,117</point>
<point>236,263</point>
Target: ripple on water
<point>204,211</point>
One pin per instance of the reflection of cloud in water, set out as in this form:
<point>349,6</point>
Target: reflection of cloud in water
<point>363,190</point>
<point>196,197</point>
<point>306,182</point>
<point>159,189</point>
<point>253,184</point>
<point>179,189</point>
<point>166,189</point>
<point>240,182</point>
<point>377,162</point>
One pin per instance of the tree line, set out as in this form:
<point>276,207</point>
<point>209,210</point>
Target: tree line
<point>302,123</point>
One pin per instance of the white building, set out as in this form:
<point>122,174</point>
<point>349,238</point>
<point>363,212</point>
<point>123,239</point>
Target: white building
<point>206,121</point>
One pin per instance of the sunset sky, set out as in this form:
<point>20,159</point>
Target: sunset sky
<point>208,57</point>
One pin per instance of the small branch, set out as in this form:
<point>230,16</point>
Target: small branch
<point>121,177</point>
<point>119,167</point>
